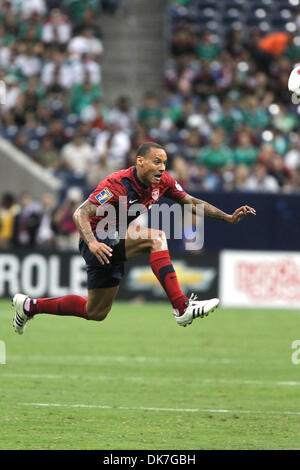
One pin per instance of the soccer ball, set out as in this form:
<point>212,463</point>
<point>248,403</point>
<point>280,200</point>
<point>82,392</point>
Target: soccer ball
<point>294,80</point>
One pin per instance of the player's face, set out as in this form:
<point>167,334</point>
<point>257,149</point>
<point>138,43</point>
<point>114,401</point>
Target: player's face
<point>152,166</point>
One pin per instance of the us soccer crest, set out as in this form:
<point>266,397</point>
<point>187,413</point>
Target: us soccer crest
<point>155,194</point>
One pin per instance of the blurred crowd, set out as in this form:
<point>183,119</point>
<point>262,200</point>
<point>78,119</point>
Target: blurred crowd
<point>26,222</point>
<point>50,61</point>
<point>231,123</point>
<point>226,117</point>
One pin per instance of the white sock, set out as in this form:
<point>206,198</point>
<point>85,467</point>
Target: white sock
<point>26,306</point>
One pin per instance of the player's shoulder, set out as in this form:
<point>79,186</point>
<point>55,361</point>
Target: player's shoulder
<point>117,176</point>
<point>111,187</point>
<point>169,181</point>
<point>171,188</point>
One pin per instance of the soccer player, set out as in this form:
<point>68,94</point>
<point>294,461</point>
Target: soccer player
<point>144,183</point>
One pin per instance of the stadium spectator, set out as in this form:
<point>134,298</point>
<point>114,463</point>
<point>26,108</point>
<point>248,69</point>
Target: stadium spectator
<point>57,134</point>
<point>191,143</point>
<point>63,224</point>
<point>283,121</point>
<point>261,181</point>
<point>245,153</point>
<point>180,170</point>
<point>77,156</point>
<point>208,47</point>
<point>95,114</point>
<point>83,95</point>
<point>266,155</point>
<point>123,114</point>
<point>215,155</point>
<point>54,69</point>
<point>45,236</point>
<point>282,173</point>
<point>29,7</point>
<point>21,142</point>
<point>85,43</point>
<point>77,8</point>
<point>112,145</point>
<point>27,63</point>
<point>57,28</point>
<point>200,179</point>
<point>8,212</point>
<point>183,43</point>
<point>27,221</point>
<point>292,157</point>
<point>241,175</point>
<point>47,155</point>
<point>150,114</point>
<point>12,92</point>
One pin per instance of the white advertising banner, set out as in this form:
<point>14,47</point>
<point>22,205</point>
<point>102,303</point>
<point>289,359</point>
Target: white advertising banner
<point>259,279</point>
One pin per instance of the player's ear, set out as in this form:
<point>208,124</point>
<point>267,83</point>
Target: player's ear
<point>140,160</point>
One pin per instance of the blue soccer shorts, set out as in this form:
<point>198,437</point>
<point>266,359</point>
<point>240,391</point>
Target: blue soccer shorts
<point>104,275</point>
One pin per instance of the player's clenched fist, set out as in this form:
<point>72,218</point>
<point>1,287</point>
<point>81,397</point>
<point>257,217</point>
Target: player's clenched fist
<point>101,251</point>
<point>240,213</point>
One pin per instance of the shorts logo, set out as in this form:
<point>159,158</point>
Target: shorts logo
<point>155,194</point>
<point>104,196</point>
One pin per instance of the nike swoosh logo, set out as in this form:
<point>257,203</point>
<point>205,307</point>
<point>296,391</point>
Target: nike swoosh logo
<point>131,202</point>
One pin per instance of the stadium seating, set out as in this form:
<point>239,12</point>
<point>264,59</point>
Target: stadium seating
<point>225,86</point>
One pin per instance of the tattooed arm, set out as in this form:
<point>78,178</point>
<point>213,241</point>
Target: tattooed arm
<point>81,218</point>
<point>215,213</point>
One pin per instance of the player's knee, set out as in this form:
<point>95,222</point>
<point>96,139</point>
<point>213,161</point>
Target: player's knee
<point>98,314</point>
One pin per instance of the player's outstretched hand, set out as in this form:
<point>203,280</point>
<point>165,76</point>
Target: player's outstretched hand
<point>240,213</point>
<point>101,251</point>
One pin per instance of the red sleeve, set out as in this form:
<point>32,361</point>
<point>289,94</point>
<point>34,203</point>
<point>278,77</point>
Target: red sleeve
<point>109,190</point>
<point>174,190</point>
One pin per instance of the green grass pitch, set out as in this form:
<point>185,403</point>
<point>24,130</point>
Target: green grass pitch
<point>139,381</point>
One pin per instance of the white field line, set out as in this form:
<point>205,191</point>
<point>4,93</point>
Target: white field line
<point>145,408</point>
<point>107,378</point>
<point>92,360</point>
